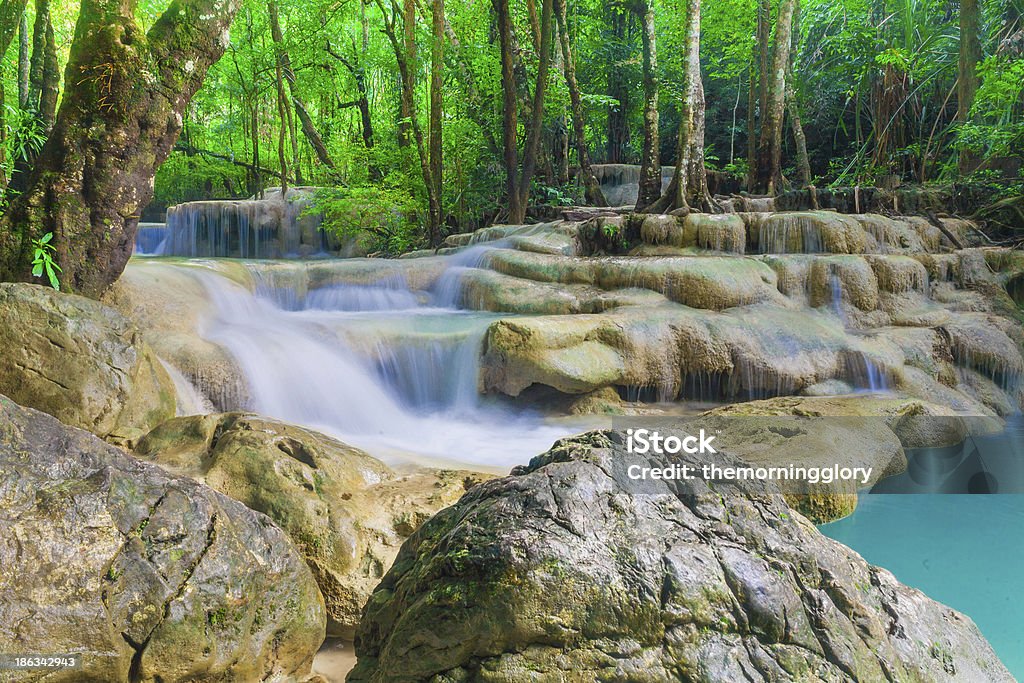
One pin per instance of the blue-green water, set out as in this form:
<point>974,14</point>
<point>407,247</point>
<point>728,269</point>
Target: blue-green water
<point>966,551</point>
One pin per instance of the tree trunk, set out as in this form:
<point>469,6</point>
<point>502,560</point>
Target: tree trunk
<point>591,187</point>
<point>308,128</point>
<point>618,90</point>
<point>44,73</point>
<point>11,13</point>
<point>650,159</point>
<point>405,70</point>
<point>531,149</point>
<point>967,74</point>
<point>23,61</point>
<point>282,133</point>
<point>509,118</point>
<point>406,105</point>
<point>688,188</point>
<point>436,110</point>
<point>769,152</point>
<point>95,173</point>
<point>757,101</point>
<point>355,68</point>
<point>803,163</point>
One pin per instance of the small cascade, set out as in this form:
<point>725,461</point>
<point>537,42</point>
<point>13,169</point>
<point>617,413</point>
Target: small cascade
<point>273,226</point>
<point>790,234</point>
<point>864,374</point>
<point>150,239</point>
<point>379,366</point>
<point>390,294</point>
<point>837,296</point>
<point>448,290</point>
<point>191,401</point>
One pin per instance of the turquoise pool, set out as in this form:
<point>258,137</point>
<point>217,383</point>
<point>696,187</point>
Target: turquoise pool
<point>966,551</point>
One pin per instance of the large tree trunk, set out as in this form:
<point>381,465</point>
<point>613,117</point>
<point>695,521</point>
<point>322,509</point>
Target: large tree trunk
<point>24,54</point>
<point>650,158</point>
<point>509,117</point>
<point>803,163</point>
<point>95,173</point>
<point>757,100</point>
<point>688,188</point>
<point>769,151</point>
<point>591,187</point>
<point>967,74</point>
<point>518,183</point>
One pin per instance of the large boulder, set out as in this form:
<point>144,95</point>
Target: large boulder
<point>567,570</point>
<point>347,512</point>
<point>147,576</point>
<point>81,362</point>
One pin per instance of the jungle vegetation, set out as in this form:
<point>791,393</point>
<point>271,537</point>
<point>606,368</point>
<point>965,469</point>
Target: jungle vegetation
<point>426,117</point>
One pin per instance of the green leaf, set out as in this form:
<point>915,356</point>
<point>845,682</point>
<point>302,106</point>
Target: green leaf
<point>37,270</point>
<point>46,238</point>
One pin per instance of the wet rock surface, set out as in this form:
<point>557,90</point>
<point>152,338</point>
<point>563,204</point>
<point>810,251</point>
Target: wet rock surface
<point>346,512</point>
<point>562,572</point>
<point>147,576</point>
<point>81,362</point>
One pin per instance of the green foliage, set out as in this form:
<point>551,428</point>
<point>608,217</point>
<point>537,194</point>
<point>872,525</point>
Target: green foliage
<point>377,216</point>
<point>43,262</point>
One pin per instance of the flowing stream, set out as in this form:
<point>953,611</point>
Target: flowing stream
<point>379,366</point>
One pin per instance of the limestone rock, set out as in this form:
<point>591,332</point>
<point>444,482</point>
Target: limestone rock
<point>148,576</point>
<point>81,362</point>
<point>345,511</point>
<point>567,567</point>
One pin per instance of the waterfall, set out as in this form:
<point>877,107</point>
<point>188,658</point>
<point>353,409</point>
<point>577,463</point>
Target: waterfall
<point>448,290</point>
<point>377,365</point>
<point>274,226</point>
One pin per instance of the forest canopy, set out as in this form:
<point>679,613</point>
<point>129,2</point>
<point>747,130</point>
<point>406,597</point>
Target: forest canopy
<point>426,117</point>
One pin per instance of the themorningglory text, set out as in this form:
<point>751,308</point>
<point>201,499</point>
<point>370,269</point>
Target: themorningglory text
<point>644,441</point>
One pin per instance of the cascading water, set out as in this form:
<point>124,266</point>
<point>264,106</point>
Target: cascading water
<point>379,366</point>
<point>863,372</point>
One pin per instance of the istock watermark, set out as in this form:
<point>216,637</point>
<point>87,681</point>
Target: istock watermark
<point>644,441</point>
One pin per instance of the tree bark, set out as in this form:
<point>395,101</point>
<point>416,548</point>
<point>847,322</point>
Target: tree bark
<point>509,117</point>
<point>305,121</point>
<point>967,72</point>
<point>650,159</point>
<point>23,61</point>
<point>757,101</point>
<point>95,173</point>
<point>405,70</point>
<point>591,187</point>
<point>803,163</point>
<point>688,188</point>
<point>769,151</point>
<point>531,149</point>
<point>436,110</point>
<point>11,13</point>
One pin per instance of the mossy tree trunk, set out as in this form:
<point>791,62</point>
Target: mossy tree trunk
<point>650,159</point>
<point>769,150</point>
<point>121,113</point>
<point>688,188</point>
<point>591,187</point>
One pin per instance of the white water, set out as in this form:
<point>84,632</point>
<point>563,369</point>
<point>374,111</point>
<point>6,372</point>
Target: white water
<point>378,366</point>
